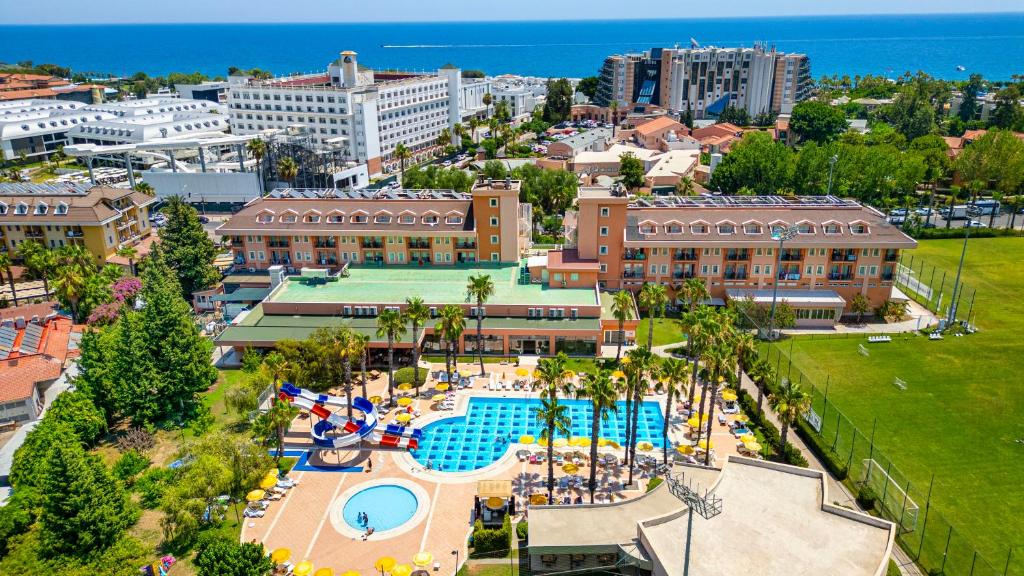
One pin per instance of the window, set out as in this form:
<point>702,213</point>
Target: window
<point>382,219</point>
<point>493,202</point>
<point>494,239</point>
<point>21,208</point>
<point>42,208</point>
<point>602,250</point>
<point>757,269</point>
<point>873,271</point>
<point>604,211</point>
<point>453,219</point>
<point>335,218</point>
<point>311,218</point>
<point>406,219</point>
<point>604,231</point>
<point>751,228</point>
<point>604,268</point>
<point>494,221</point>
<point>359,218</point>
<point>494,256</point>
<point>429,219</point>
<point>726,229</point>
<point>699,228</point>
<point>673,229</point>
<point>805,228</point>
<point>861,270</point>
<point>575,276</point>
<point>858,228</point>
<point>833,228</point>
<point>648,229</point>
<point>767,270</point>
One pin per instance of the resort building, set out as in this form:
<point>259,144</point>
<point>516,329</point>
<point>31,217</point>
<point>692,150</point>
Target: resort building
<point>361,252</point>
<point>837,249</point>
<point>706,80</point>
<point>596,139</point>
<point>756,517</point>
<point>100,218</point>
<point>363,112</point>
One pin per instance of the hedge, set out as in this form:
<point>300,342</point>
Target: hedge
<point>491,541</point>
<point>404,375</point>
<point>522,530</point>
<point>958,232</point>
<point>790,454</point>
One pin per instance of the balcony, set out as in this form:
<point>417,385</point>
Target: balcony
<point>739,275</point>
<point>788,276</point>
<point>683,275</point>
<point>327,262</point>
<point>892,256</point>
<point>633,274</point>
<point>888,276</point>
<point>465,245</point>
<point>277,244</point>
<point>465,259</point>
<point>372,244</point>
<point>419,244</point>
<point>737,255</point>
<point>282,261</point>
<point>684,255</point>
<point>329,243</point>
<point>239,259</point>
<point>840,276</point>
<point>34,234</point>
<point>844,256</point>
<point>787,256</point>
<point>74,234</point>
<point>634,255</point>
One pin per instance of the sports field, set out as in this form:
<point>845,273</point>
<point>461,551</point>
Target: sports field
<point>960,416</point>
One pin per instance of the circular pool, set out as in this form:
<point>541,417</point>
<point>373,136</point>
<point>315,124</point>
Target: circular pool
<point>386,506</point>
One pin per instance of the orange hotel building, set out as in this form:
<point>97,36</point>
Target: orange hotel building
<point>340,257</point>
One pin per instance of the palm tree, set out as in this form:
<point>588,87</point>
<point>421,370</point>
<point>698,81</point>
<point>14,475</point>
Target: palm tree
<point>5,266</point>
<point>789,403</point>
<point>622,309</point>
<point>362,343</point>
<point>288,169</point>
<point>640,362</point>
<point>403,154</point>
<point>480,288</point>
<point>761,372</point>
<point>551,373</point>
<point>145,188</point>
<point>391,325</point>
<point>452,325</point>
<point>685,186</point>
<point>674,373</point>
<point>745,350</point>
<point>474,123</point>
<point>131,254</point>
<point>555,420</point>
<point>718,360</point>
<point>602,393</point>
<point>487,99</point>
<point>614,107</point>
<point>458,131</point>
<point>444,138</point>
<point>40,260</point>
<point>257,149</point>
<point>276,366</point>
<point>69,285</point>
<point>654,298</point>
<point>417,314</point>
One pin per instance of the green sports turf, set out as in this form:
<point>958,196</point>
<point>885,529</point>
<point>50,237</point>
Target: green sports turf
<point>962,413</point>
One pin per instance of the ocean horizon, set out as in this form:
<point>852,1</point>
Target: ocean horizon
<point>991,44</point>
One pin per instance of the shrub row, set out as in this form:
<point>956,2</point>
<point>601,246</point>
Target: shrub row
<point>491,541</point>
<point>790,454</point>
<point>404,375</point>
<point>958,232</point>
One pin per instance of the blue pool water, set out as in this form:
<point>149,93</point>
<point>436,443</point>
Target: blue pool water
<point>386,507</point>
<point>471,442</point>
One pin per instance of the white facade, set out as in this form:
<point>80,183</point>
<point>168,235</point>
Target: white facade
<point>702,76</point>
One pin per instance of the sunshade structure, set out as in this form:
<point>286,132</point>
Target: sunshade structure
<point>422,558</point>
<point>706,444</point>
<point>527,439</point>
<point>255,495</point>
<point>685,449</point>
<point>268,482</point>
<point>405,386</point>
<point>401,570</point>
<point>403,417</point>
<point>538,499</point>
<point>404,401</point>
<point>280,555</point>
<point>437,397</point>
<point>644,446</point>
<point>570,468</point>
<point>441,387</point>
<point>729,396</point>
<point>384,564</point>
<point>560,443</point>
<point>495,503</point>
<point>304,568</point>
<point>522,372</point>
<point>323,572</point>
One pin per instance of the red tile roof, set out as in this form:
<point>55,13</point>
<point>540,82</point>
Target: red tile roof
<point>22,374</point>
<point>657,124</point>
<point>27,311</point>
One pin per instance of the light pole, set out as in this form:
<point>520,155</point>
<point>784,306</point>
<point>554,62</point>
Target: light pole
<point>831,167</point>
<point>780,235</point>
<point>956,283</point>
<point>707,505</point>
<point>456,554</point>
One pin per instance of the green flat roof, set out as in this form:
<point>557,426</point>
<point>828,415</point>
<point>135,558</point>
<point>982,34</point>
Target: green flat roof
<point>258,327</point>
<point>437,285</point>
<point>243,295</point>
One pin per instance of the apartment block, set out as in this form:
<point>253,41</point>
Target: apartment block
<point>101,218</point>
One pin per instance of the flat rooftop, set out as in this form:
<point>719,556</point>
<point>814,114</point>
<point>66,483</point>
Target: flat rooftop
<point>437,285</point>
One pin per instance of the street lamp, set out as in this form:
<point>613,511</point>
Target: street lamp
<point>831,167</point>
<point>781,235</point>
<point>707,505</point>
<point>956,283</point>
<point>456,554</point>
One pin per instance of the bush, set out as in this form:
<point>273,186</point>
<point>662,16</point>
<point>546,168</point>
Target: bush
<point>77,411</point>
<point>130,465</point>
<point>286,464</point>
<point>866,497</point>
<point>958,232</point>
<point>151,486</point>
<point>654,483</point>
<point>493,542</point>
<point>789,454</point>
<point>522,530</point>
<point>404,375</point>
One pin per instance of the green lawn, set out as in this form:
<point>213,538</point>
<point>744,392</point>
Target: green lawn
<point>666,331</point>
<point>959,418</point>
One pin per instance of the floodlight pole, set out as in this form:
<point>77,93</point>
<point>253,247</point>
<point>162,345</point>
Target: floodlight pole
<point>956,283</point>
<point>781,236</point>
<point>831,167</point>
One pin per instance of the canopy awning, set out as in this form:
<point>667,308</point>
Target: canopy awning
<point>494,489</point>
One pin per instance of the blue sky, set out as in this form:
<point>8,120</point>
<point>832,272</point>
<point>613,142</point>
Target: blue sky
<point>133,11</point>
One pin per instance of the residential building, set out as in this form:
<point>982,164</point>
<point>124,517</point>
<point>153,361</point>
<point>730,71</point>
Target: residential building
<point>840,249</point>
<point>660,168</point>
<point>706,80</point>
<point>214,91</point>
<point>596,139</point>
<point>365,113</point>
<point>100,218</point>
<point>15,87</point>
<point>521,94</point>
<point>34,344</point>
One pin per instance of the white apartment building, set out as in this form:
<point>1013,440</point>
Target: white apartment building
<point>706,80</point>
<point>365,113</point>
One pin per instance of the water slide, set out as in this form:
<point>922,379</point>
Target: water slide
<point>353,431</point>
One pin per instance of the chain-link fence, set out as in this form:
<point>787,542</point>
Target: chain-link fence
<point>935,288</point>
<point>923,532</point>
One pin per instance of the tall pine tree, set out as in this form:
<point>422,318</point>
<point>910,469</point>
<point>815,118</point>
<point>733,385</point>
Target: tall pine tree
<point>189,250</point>
<point>84,509</point>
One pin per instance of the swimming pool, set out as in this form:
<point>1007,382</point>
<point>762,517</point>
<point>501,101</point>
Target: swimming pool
<point>481,437</point>
<point>386,506</point>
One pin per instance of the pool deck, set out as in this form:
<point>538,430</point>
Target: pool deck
<point>435,284</point>
<point>302,520</point>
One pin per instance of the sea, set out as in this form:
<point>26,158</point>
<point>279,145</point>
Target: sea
<point>989,44</point>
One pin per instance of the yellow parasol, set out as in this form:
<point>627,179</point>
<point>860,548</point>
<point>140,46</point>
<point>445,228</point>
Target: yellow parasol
<point>522,372</point>
<point>401,570</point>
<point>614,444</point>
<point>255,495</point>
<point>437,397</point>
<point>280,555</point>
<point>538,499</point>
<point>542,442</point>
<point>695,423</point>
<point>742,418</point>
<point>494,503</point>
<point>705,444</point>
<point>560,443</point>
<point>729,396</point>
<point>441,387</point>
<point>575,441</point>
<point>424,558</point>
<point>404,401</point>
<point>644,446</point>
<point>570,468</point>
<point>748,438</point>
<point>602,442</point>
<point>685,449</point>
<point>584,442</point>
<point>568,374</point>
<point>527,439</point>
<point>304,568</point>
<point>403,417</point>
<point>350,573</point>
<point>268,482</point>
<point>324,572</point>
<point>376,399</point>
<point>465,373</point>
<point>405,386</point>
<point>384,564</point>
<point>753,445</point>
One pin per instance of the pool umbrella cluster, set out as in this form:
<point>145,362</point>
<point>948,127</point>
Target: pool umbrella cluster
<point>522,372</point>
<point>685,449</point>
<point>729,396</point>
<point>527,439</point>
<point>280,555</point>
<point>384,564</point>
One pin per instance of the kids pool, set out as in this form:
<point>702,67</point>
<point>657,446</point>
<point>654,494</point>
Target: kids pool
<point>386,506</point>
<point>483,436</point>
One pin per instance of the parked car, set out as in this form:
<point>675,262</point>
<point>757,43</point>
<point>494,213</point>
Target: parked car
<point>898,212</point>
<point>976,224</point>
<point>204,220</point>
<point>446,163</point>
